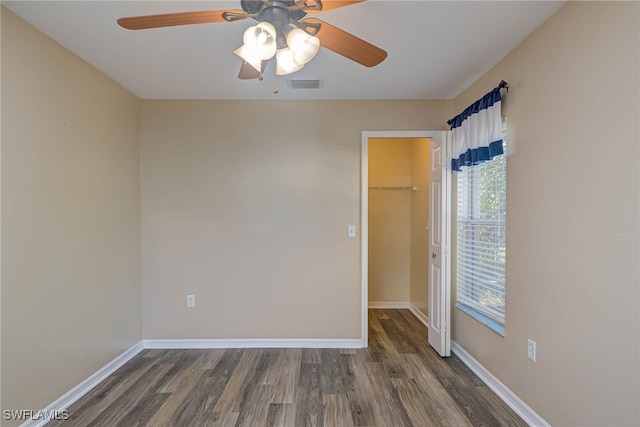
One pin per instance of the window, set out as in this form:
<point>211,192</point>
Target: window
<point>481,238</point>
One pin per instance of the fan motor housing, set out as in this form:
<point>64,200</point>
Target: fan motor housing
<point>273,11</point>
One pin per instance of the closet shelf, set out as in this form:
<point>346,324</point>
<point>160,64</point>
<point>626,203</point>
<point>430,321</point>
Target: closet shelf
<point>409,187</point>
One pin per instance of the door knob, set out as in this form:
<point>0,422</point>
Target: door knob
<point>433,255</point>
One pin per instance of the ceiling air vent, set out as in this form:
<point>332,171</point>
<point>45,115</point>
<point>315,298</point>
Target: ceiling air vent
<point>305,84</point>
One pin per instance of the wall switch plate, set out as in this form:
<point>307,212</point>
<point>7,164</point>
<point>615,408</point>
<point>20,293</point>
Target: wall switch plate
<point>191,301</point>
<point>531,350</point>
<point>351,231</point>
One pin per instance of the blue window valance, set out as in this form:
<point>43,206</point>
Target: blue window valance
<point>477,131</point>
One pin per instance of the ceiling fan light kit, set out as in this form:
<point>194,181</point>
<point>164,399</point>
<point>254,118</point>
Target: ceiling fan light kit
<point>261,40</point>
<point>303,45</point>
<point>285,63</point>
<point>281,32</point>
<point>260,45</point>
<point>250,57</point>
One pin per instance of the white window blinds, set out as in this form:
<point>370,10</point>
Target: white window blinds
<point>481,237</point>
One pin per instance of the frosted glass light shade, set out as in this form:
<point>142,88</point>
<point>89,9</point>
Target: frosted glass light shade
<point>285,63</point>
<point>303,46</point>
<point>261,39</point>
<point>251,57</point>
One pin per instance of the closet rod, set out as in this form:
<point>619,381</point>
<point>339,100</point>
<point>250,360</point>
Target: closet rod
<point>410,187</point>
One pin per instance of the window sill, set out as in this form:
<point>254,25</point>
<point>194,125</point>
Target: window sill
<point>496,327</point>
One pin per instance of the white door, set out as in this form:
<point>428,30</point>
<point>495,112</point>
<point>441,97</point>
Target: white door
<point>439,256</point>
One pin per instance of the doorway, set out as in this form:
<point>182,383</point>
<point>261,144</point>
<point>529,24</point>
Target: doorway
<point>393,188</point>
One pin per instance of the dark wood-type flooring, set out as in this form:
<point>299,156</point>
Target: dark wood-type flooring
<point>398,381</point>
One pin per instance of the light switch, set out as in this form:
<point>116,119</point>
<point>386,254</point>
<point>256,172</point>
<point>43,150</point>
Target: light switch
<point>351,231</point>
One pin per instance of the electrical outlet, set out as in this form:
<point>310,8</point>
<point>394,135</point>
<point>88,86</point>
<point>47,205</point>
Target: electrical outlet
<point>531,350</point>
<point>191,301</point>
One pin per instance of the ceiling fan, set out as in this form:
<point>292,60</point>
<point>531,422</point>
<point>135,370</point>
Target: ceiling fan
<point>282,31</point>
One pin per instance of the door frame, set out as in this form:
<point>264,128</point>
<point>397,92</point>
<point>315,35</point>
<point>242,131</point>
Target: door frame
<point>364,215</point>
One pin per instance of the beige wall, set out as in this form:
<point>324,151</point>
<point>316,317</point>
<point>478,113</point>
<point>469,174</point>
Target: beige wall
<point>71,297</point>
<point>572,218</point>
<point>246,205</point>
<point>420,165</point>
<point>389,165</point>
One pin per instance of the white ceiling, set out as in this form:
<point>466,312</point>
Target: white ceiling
<point>436,48</point>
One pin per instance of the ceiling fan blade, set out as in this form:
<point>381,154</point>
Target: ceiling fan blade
<point>185,18</point>
<point>247,72</point>
<point>347,45</point>
<point>332,4</point>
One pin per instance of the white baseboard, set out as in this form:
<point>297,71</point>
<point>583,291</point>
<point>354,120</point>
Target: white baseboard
<point>419,314</point>
<point>253,343</point>
<point>388,304</point>
<point>85,386</point>
<point>503,392</point>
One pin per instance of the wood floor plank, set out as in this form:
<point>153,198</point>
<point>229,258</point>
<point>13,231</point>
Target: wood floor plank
<point>132,366</point>
<point>374,320</point>
<point>411,327</point>
<point>411,398</point>
<point>337,412</point>
<point>375,351</point>
<point>282,374</point>
<point>382,350</point>
<point>398,337</point>
<point>462,372</point>
<point>141,413</point>
<point>379,314</point>
<point>332,372</point>
<point>499,411</point>
<point>281,414</point>
<point>255,409</point>
<point>390,410</point>
<point>399,380</point>
<point>129,399</point>
<point>228,419</point>
<point>236,390</point>
<point>153,353</point>
<point>475,411</point>
<point>436,400</point>
<point>201,401</point>
<point>311,355</point>
<point>175,356</point>
<point>209,359</point>
<point>359,392</point>
<point>182,364</point>
<point>309,406</point>
<point>171,410</point>
<point>410,318</point>
<point>94,404</point>
<point>90,405</point>
<point>431,360</point>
